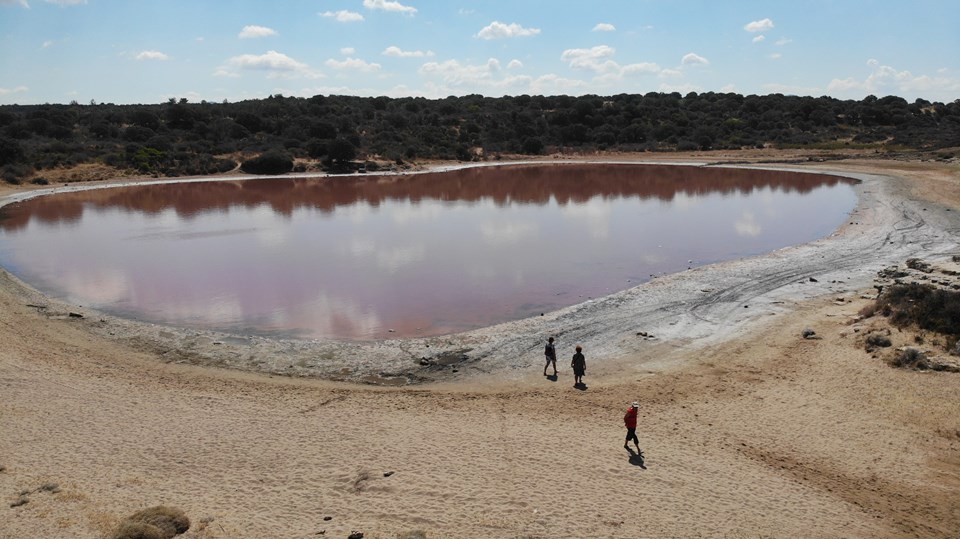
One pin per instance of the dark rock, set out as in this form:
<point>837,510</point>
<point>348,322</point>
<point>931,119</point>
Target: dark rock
<point>812,280</point>
<point>919,265</point>
<point>355,535</point>
<point>808,333</point>
<point>75,315</point>
<point>328,518</point>
<point>388,474</point>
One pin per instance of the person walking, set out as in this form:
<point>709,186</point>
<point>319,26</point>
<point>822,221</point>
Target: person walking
<point>579,365</point>
<point>630,421</point>
<point>550,352</point>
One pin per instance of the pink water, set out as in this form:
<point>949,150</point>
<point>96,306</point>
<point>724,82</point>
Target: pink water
<point>401,256</point>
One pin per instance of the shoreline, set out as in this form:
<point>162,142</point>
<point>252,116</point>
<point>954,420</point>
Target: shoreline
<point>694,307</point>
<point>748,431</point>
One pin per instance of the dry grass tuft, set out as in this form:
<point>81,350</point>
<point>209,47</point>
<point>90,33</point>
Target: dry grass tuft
<point>139,530</point>
<point>148,523</point>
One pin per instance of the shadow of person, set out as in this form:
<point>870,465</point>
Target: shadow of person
<point>581,386</point>
<point>552,377</point>
<point>636,458</point>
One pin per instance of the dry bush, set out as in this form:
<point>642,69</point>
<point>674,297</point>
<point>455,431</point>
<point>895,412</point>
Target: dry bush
<point>922,305</point>
<point>139,530</point>
<point>148,523</point>
<point>880,340</point>
<point>869,311</point>
<point>919,265</point>
<point>909,358</point>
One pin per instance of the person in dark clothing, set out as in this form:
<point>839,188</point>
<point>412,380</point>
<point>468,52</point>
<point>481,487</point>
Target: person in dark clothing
<point>579,365</point>
<point>630,421</point>
<point>551,354</point>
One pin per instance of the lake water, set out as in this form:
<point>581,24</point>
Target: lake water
<point>372,257</point>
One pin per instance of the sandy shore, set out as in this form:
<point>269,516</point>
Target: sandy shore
<point>747,429</point>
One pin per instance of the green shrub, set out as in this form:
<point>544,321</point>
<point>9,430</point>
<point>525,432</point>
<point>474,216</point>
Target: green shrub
<point>923,305</point>
<point>268,163</point>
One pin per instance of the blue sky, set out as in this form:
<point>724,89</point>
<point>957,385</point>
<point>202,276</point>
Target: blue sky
<point>146,51</point>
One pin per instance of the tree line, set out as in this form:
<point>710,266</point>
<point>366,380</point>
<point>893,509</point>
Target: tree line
<point>278,134</point>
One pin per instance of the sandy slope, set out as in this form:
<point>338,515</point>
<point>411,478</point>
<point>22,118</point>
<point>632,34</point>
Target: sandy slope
<point>748,430</point>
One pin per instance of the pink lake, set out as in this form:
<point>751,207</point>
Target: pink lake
<point>375,257</point>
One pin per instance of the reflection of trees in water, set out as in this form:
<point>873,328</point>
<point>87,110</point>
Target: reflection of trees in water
<point>527,184</point>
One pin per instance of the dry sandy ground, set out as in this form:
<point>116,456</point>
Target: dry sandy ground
<point>754,432</point>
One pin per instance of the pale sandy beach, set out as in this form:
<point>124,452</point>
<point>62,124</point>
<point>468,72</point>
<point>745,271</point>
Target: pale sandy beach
<point>748,429</point>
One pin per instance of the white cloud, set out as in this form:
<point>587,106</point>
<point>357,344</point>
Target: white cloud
<point>776,56</point>
<point>276,64</point>
<point>729,89</point>
<point>11,91</point>
<point>643,67</point>
<point>509,233</point>
<point>667,73</point>
<point>354,64</point>
<point>593,59</point>
<point>691,59</point>
<point>759,38</point>
<point>498,30</point>
<point>759,26</point>
<point>388,5</point>
<point>343,16</point>
<point>747,225</point>
<point>515,64</point>
<point>844,85</point>
<point>783,41</point>
<point>152,55</point>
<point>453,78</point>
<point>347,51</point>
<point>26,4</point>
<point>397,52</point>
<point>787,89</point>
<point>46,44</point>
<point>604,27</point>
<point>254,31</point>
<point>599,60</point>
<point>684,88</point>
<point>885,80</point>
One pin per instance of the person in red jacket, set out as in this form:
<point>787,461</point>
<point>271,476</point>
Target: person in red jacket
<point>630,421</point>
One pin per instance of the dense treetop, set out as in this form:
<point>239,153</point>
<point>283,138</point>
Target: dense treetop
<point>181,138</point>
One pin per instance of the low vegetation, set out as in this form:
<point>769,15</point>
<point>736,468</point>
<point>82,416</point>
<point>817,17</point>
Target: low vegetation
<point>181,138</point>
<point>923,306</point>
<point>932,313</point>
<point>160,522</point>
